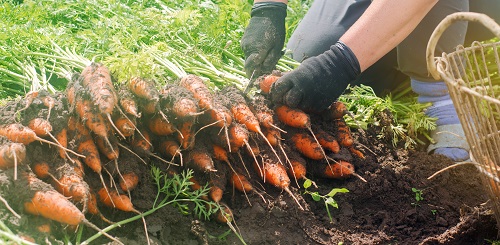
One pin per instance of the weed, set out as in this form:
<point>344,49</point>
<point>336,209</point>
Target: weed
<point>327,199</point>
<point>418,196</point>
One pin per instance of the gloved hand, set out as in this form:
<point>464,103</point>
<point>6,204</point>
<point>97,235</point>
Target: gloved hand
<point>318,81</point>
<point>264,37</point>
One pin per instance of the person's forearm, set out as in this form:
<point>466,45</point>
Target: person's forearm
<point>280,1</point>
<point>383,26</point>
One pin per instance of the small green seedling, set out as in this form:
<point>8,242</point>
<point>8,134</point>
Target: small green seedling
<point>328,198</point>
<point>434,212</point>
<point>418,196</point>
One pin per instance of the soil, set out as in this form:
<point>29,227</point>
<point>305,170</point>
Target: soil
<point>453,208</point>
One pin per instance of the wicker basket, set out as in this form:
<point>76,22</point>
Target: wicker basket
<point>472,75</point>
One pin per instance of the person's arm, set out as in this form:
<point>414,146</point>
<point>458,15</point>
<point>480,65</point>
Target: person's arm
<point>383,25</point>
<point>320,80</point>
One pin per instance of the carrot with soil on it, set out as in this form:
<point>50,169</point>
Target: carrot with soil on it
<point>129,181</point>
<point>199,90</point>
<point>241,183</point>
<point>199,160</point>
<point>343,133</point>
<point>28,98</point>
<point>142,147</point>
<point>127,102</point>
<point>171,148</point>
<point>125,126</point>
<point>110,151</point>
<point>20,134</point>
<point>48,203</point>
<point>180,102</point>
<point>327,141</point>
<point>293,117</point>
<point>62,138</point>
<point>276,175</point>
<point>50,103</point>
<point>159,126</point>
<point>217,183</point>
<point>93,208</point>
<point>306,145</point>
<point>267,81</point>
<point>143,88</point>
<point>336,111</point>
<point>356,152</point>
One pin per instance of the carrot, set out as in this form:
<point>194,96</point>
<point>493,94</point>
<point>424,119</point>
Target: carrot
<point>220,153</point>
<point>125,126</point>
<point>266,82</point>
<point>241,183</point>
<point>143,88</point>
<point>78,167</point>
<point>149,107</point>
<point>72,185</point>
<point>129,181</point>
<point>220,114</point>
<point>44,228</point>
<point>49,102</point>
<point>224,215</point>
<point>53,205</point>
<point>200,91</point>
<point>93,209</point>
<point>97,79</point>
<point>339,170</point>
<point>93,120</point>
<point>337,110</point>
<point>292,117</point>
<point>327,141</point>
<point>186,135</point>
<point>18,133</point>
<point>218,182</point>
<point>88,148</point>
<point>62,138</point>
<point>11,154</point>
<point>180,102</point>
<point>41,170</point>
<point>253,149</point>
<point>110,151</point>
<point>199,159</point>
<point>343,133</point>
<point>242,114</point>
<point>40,126</point>
<point>28,98</point>
<point>159,126</point>
<point>273,136</point>
<point>356,152</point>
<point>142,145</point>
<point>306,145</point>
<point>298,168</point>
<point>127,102</point>
<point>113,199</point>
<point>238,136</point>
<point>276,175</point>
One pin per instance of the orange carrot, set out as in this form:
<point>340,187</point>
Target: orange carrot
<point>73,186</point>
<point>10,154</point>
<point>18,133</point>
<point>40,126</point>
<point>327,141</point>
<point>224,215</point>
<point>293,117</point>
<point>276,175</point>
<point>110,151</point>
<point>298,168</point>
<point>125,126</point>
<point>356,152</point>
<point>142,88</point>
<point>238,136</point>
<point>339,170</point>
<point>129,181</point>
<point>266,82</point>
<point>53,205</point>
<point>159,126</point>
<point>142,145</point>
<point>273,136</point>
<point>41,169</point>
<point>62,138</point>
<point>186,135</point>
<point>241,183</point>
<point>199,159</point>
<point>169,147</point>
<point>218,182</point>
<point>242,114</point>
<point>113,199</point>
<point>221,115</point>
<point>337,110</point>
<point>344,133</point>
<point>307,146</point>
<point>97,79</point>
<point>220,153</point>
<point>128,103</point>
<point>200,91</point>
<point>94,121</point>
<point>93,209</point>
<point>180,101</point>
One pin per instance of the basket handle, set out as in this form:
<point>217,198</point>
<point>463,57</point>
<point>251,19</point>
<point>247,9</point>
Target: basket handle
<point>444,24</point>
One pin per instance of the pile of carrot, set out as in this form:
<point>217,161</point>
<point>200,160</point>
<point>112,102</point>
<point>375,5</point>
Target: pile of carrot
<point>96,136</point>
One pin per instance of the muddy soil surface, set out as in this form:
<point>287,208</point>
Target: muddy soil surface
<point>453,208</point>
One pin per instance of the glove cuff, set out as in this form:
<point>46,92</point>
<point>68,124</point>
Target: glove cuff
<point>266,9</point>
<point>351,62</point>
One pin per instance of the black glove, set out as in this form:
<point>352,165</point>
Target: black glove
<point>318,81</point>
<point>264,37</point>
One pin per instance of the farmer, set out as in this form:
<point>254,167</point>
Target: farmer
<point>379,43</point>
